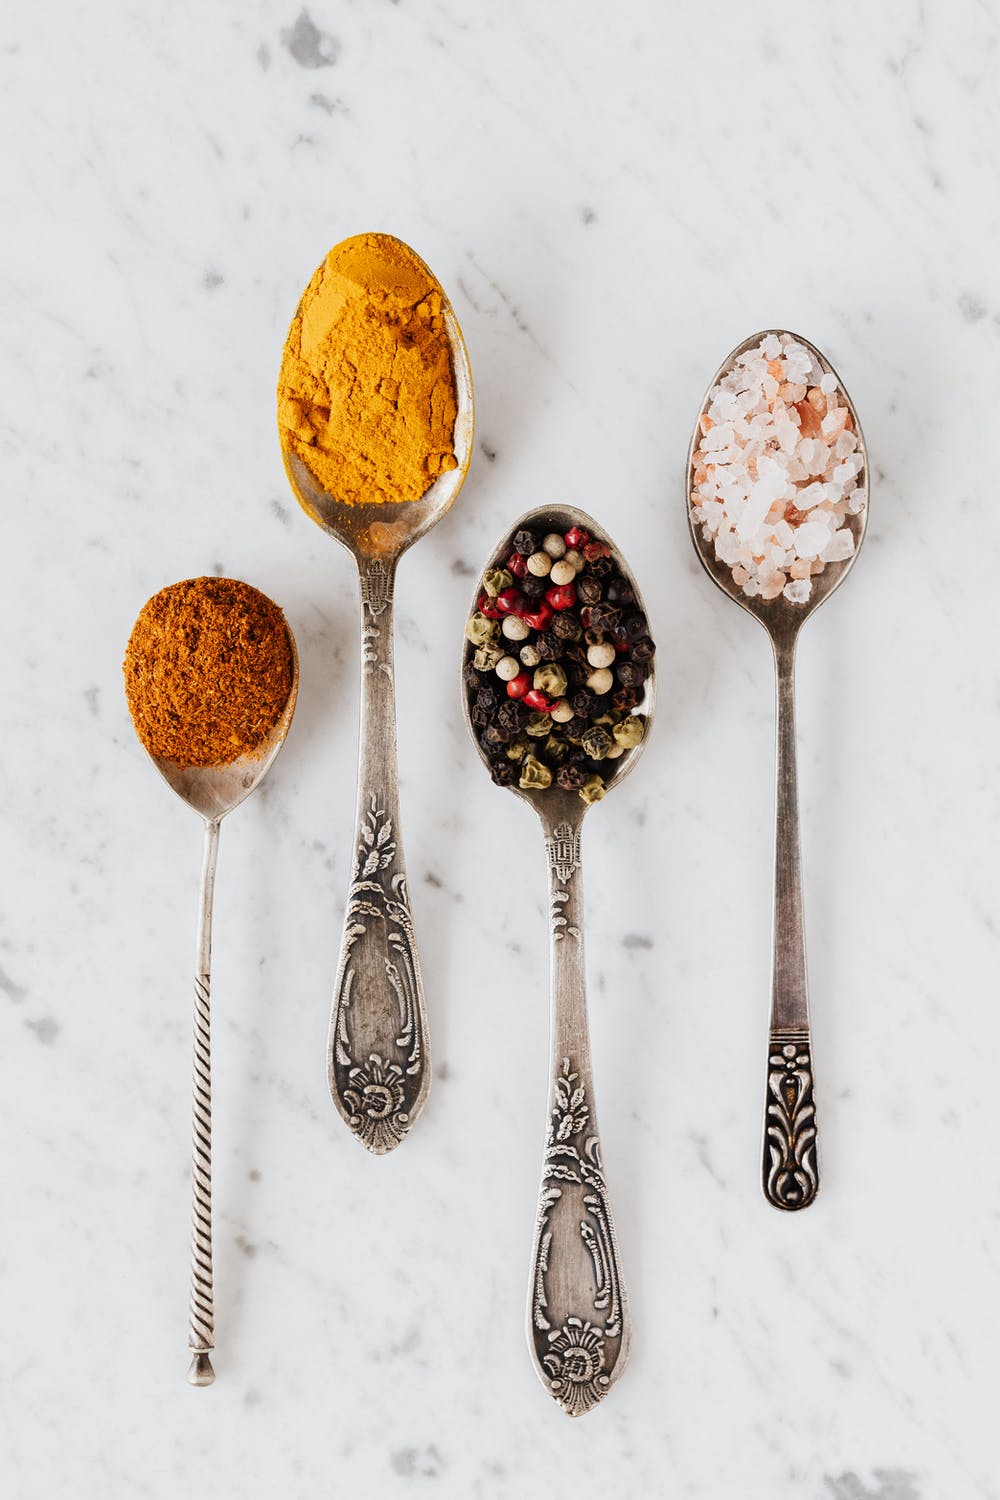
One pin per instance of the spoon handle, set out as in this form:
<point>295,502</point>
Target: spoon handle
<point>791,1144</point>
<point>201,1319</point>
<point>377,1058</point>
<point>578,1322</point>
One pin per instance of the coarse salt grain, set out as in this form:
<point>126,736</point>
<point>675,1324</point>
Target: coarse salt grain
<point>776,471</point>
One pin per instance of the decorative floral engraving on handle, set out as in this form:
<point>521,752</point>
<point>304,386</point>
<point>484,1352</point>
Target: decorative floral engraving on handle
<point>375,1092</point>
<point>791,1171</point>
<point>578,1351</point>
<point>201,1323</point>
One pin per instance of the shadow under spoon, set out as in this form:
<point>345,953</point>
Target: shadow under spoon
<point>578,1319</point>
<point>213,791</point>
<point>791,1161</point>
<point>378,1063</point>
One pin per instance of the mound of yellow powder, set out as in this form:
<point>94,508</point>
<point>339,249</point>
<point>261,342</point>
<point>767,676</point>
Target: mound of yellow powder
<point>366,395</point>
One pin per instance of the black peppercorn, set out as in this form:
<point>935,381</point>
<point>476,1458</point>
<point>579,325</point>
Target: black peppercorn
<point>582,702</point>
<point>643,649</point>
<point>570,778</point>
<point>513,715</point>
<point>588,589</point>
<point>480,716</point>
<point>576,653</point>
<point>604,616</point>
<point>470,677</point>
<point>503,771</point>
<point>574,728</point>
<point>566,625</point>
<point>635,626</point>
<point>532,587</point>
<point>548,646</point>
<point>624,699</point>
<point>602,567</point>
<point>524,542</point>
<point>630,674</point>
<point>488,697</point>
<point>619,592</point>
<point>496,734</point>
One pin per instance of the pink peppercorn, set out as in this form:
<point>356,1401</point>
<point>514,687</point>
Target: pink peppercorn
<point>563,596</point>
<point>509,601</point>
<point>519,685</point>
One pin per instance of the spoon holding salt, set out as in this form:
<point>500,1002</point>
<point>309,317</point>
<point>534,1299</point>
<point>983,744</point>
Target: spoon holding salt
<point>578,1319</point>
<point>777,503</point>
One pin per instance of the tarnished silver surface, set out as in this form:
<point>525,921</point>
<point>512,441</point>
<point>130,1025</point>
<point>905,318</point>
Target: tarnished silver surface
<point>378,1061</point>
<point>578,1320</point>
<point>790,1174</point>
<point>212,791</point>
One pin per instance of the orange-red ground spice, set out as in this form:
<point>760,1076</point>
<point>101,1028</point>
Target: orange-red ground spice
<point>208,670</point>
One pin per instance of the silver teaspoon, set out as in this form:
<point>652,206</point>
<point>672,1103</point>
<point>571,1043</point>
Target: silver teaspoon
<point>213,791</point>
<point>378,1062</point>
<point>578,1319</point>
<point>791,1169</point>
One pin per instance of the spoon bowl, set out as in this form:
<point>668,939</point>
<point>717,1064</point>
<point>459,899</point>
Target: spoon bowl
<point>384,531</point>
<point>790,1175</point>
<point>779,617</point>
<point>578,1320</point>
<point>553,803</point>
<point>378,1063</point>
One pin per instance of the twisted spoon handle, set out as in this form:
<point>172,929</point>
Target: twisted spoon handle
<point>791,1146</point>
<point>578,1322</point>
<point>201,1320</point>
<point>378,1066</point>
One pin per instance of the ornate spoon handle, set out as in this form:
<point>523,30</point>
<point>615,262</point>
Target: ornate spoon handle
<point>578,1323</point>
<point>791,1162</point>
<point>201,1319</point>
<point>378,1063</point>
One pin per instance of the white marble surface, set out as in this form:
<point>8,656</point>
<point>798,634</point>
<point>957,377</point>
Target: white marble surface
<point>614,197</point>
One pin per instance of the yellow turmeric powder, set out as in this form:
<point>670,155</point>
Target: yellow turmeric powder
<point>367,395</point>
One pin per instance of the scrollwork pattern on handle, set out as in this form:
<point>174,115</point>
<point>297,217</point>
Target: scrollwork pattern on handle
<point>575,1354</point>
<point>791,1170</point>
<point>377,1091</point>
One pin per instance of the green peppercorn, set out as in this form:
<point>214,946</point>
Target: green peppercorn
<point>538,725</point>
<point>597,742</point>
<point>551,679</point>
<point>486,657</point>
<point>535,776</point>
<point>480,631</point>
<point>555,750</point>
<point>593,789</point>
<point>495,579</point>
<point>629,732</point>
<point>518,750</point>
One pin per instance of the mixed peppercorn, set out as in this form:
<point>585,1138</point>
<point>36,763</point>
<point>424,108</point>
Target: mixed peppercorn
<point>559,652</point>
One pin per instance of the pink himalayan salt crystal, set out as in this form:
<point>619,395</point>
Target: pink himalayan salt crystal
<point>777,470</point>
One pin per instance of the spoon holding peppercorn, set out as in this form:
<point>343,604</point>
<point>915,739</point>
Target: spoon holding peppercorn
<point>790,1169</point>
<point>378,1061</point>
<point>213,791</point>
<point>559,658</point>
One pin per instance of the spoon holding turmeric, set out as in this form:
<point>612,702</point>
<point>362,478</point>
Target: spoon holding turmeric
<point>211,676</point>
<point>375,416</point>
